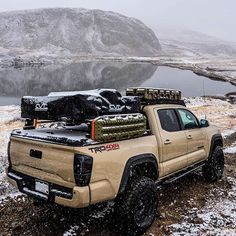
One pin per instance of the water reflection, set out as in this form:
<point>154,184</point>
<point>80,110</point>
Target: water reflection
<point>189,83</point>
<point>88,75</point>
<point>37,81</point>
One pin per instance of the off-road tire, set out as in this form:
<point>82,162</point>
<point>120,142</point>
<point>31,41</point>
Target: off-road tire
<point>135,210</point>
<point>214,168</point>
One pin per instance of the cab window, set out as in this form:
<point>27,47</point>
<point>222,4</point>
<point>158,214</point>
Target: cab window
<point>169,120</point>
<point>188,119</point>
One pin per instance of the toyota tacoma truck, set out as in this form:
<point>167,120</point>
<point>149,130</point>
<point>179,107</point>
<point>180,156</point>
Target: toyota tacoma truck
<point>86,147</point>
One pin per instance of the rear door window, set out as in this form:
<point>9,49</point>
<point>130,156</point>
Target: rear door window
<point>169,120</point>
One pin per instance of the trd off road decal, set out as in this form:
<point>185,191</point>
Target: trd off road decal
<point>106,148</point>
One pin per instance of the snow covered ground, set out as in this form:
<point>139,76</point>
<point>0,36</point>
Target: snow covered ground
<point>216,111</point>
<point>9,114</point>
<point>217,217</point>
<point>9,119</point>
<point>231,149</point>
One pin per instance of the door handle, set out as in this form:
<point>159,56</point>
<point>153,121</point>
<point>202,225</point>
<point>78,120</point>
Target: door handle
<point>189,136</point>
<point>167,141</point>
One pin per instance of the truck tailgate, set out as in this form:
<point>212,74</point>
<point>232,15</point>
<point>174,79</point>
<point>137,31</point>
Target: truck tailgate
<point>45,161</point>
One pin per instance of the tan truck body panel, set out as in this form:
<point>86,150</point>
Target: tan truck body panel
<point>56,165</point>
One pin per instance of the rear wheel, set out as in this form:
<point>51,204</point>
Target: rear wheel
<point>214,168</point>
<point>136,209</point>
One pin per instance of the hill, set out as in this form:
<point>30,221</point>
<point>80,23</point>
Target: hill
<point>76,31</point>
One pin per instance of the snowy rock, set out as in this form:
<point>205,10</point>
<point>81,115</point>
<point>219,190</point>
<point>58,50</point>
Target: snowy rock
<point>231,149</point>
<point>77,31</point>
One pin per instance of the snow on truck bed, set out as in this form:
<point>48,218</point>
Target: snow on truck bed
<point>69,136</point>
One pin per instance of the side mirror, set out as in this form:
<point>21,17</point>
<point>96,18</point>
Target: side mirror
<point>204,123</point>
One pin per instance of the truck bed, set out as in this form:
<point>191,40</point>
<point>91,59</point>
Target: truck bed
<point>71,136</point>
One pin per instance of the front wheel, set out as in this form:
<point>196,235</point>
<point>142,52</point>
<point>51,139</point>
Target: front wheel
<point>136,210</point>
<point>213,170</point>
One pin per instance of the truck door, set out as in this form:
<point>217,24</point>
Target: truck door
<point>196,137</point>
<point>174,145</point>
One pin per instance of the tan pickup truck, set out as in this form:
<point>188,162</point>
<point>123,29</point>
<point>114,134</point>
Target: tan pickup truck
<point>67,166</point>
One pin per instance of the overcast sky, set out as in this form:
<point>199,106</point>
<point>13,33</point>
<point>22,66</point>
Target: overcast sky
<point>213,17</point>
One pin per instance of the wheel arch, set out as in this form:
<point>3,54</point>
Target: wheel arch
<point>145,162</point>
<point>216,140</point>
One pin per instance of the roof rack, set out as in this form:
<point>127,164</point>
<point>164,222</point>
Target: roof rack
<point>156,95</point>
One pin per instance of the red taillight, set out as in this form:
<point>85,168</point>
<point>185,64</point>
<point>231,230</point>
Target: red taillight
<point>82,169</point>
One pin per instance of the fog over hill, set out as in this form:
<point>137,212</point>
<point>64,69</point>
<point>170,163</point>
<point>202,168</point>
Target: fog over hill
<point>77,31</point>
<point>193,43</point>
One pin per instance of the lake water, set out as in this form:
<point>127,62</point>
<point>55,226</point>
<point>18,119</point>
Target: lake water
<point>188,82</point>
<point>9,101</point>
<point>39,81</point>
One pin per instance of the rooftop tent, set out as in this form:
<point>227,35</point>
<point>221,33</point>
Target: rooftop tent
<point>78,106</point>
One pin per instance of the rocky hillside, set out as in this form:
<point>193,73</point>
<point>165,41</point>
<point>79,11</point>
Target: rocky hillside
<point>77,31</point>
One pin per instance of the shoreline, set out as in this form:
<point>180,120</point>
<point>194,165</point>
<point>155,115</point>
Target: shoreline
<point>210,67</point>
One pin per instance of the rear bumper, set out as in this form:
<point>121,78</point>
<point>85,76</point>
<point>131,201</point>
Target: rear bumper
<point>77,197</point>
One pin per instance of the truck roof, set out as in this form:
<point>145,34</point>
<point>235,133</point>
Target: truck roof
<point>165,106</point>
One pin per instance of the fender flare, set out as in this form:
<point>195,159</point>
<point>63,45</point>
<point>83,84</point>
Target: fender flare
<point>216,138</point>
<point>134,161</point>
